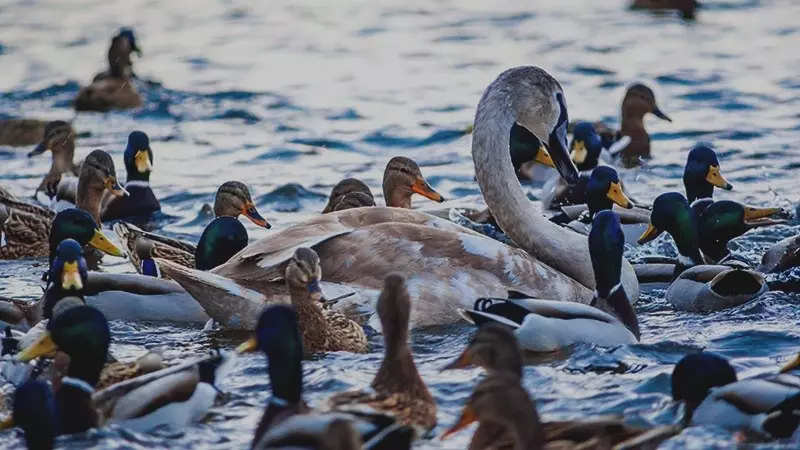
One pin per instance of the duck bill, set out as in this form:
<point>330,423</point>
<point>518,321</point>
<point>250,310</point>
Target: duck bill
<point>579,152</point>
<point>543,157</point>
<point>315,291</point>
<point>660,114</point>
<point>751,213</point>
<point>142,161</point>
<point>557,147</point>
<point>7,423</point>
<point>424,189</point>
<point>252,213</point>
<point>616,195</point>
<point>43,346</point>
<point>463,361</point>
<point>40,148</point>
<point>71,277</point>
<point>101,242</point>
<point>248,346</point>
<point>714,177</point>
<point>113,186</point>
<point>791,365</point>
<point>649,234</point>
<point>467,417</point>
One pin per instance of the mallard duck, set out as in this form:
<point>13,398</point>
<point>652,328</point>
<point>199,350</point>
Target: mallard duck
<point>587,150</point>
<point>107,94</point>
<point>767,406</point>
<point>59,138</point>
<point>702,173</point>
<point>140,201</point>
<point>172,397</point>
<point>354,200</point>
<point>97,176</point>
<point>344,188</point>
<point>686,8</point>
<point>278,336</point>
<point>724,220</point>
<point>781,256</point>
<point>119,56</point>
<point>21,132</point>
<point>546,326</point>
<point>232,200</point>
<point>307,433</point>
<point>444,263</point>
<point>397,387</point>
<point>27,235</point>
<point>695,286</point>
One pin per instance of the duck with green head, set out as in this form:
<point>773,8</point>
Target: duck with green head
<point>702,174</point>
<point>724,220</point>
<point>548,325</point>
<point>140,201</point>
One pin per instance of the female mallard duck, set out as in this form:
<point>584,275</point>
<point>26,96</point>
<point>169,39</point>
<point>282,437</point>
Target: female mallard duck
<point>21,132</point>
<point>702,173</point>
<point>354,200</point>
<point>107,94</point>
<point>767,406</point>
<point>546,326</point>
<point>59,138</point>
<point>695,286</point>
<point>140,201</point>
<point>344,188</point>
<point>686,8</point>
<point>445,264</point>
<point>119,56</point>
<point>137,404</point>
<point>278,336</point>
<point>232,200</point>
<point>97,176</point>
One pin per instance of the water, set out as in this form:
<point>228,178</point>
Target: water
<point>291,97</point>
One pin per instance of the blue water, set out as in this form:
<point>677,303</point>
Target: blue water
<point>292,96</point>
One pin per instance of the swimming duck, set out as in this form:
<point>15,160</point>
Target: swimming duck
<point>354,200</point>
<point>97,176</point>
<point>140,200</point>
<point>708,385</point>
<point>546,326</point>
<point>587,150</point>
<point>59,137</point>
<point>397,387</point>
<point>695,286</point>
<point>686,8</point>
<point>702,174</point>
<point>724,220</point>
<point>119,56</point>
<point>21,132</point>
<point>345,187</point>
<point>231,200</point>
<point>278,336</point>
<point>550,263</point>
<point>781,256</point>
<point>137,404</point>
<point>113,89</point>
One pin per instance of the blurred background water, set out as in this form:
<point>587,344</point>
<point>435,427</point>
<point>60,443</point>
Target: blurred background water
<point>292,96</point>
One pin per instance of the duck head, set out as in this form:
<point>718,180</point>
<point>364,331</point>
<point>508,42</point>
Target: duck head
<point>695,375</point>
<point>702,173</point>
<point>494,348</point>
<point>233,198</point>
<point>586,146</point>
<point>344,187</point>
<point>138,157</point>
<point>68,271</point>
<point>303,274</point>
<point>640,100</point>
<point>604,189</point>
<point>98,174</point>
<point>671,213</point>
<point>79,225</point>
<point>80,332</point>
<point>354,200</point>
<point>402,179</point>
<point>59,137</point>
<point>34,410</point>
<point>222,238</point>
<point>526,147</point>
<point>278,336</point>
<point>127,35</point>
<point>724,220</point>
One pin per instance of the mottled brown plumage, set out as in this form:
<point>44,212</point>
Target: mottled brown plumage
<point>403,178</point>
<point>354,200</point>
<point>107,94</point>
<point>321,330</point>
<point>397,387</point>
<point>343,188</point>
<point>97,176</point>
<point>117,372</point>
<point>23,235</point>
<point>21,132</point>
<point>59,137</point>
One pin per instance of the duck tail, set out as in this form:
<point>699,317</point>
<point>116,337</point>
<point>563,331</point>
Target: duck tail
<point>488,310</point>
<point>224,300</point>
<point>783,419</point>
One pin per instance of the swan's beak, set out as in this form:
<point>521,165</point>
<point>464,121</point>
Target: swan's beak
<point>560,154</point>
<point>616,195</point>
<point>714,177</point>
<point>543,157</point>
<point>579,152</point>
<point>468,416</point>
<point>791,365</point>
<point>649,234</point>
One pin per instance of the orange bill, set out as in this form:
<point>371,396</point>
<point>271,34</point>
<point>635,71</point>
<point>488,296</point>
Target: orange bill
<point>649,234</point>
<point>751,213</point>
<point>464,360</point>
<point>252,213</point>
<point>113,186</point>
<point>468,416</point>
<point>422,188</point>
<point>616,195</point>
<point>714,176</point>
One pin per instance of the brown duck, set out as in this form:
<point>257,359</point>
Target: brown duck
<point>687,8</point>
<point>59,138</point>
<point>232,200</point>
<point>21,132</point>
<point>113,88</point>
<point>120,65</point>
<point>397,387</point>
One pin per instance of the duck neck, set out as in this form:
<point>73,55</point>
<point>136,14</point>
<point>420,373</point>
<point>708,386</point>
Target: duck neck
<point>617,301</point>
<point>688,250</point>
<point>398,373</point>
<point>395,197</point>
<point>76,412</point>
<point>286,378</point>
<point>89,197</point>
<point>507,202</point>
<point>314,328</point>
<point>62,160</point>
<point>698,190</point>
<point>632,122</point>
<point>522,420</point>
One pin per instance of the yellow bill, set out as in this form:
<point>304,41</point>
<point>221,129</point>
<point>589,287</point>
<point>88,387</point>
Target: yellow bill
<point>751,213</point>
<point>791,365</point>
<point>42,347</point>
<point>71,276</point>
<point>616,195</point>
<point>578,152</point>
<point>649,234</point>
<point>101,242</point>
<point>543,157</point>
<point>247,346</point>
<point>714,176</point>
<point>142,161</point>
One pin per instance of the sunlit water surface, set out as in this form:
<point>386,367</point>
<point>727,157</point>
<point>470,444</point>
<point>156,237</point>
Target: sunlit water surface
<point>291,97</point>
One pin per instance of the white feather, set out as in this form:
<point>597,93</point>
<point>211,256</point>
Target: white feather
<point>173,307</point>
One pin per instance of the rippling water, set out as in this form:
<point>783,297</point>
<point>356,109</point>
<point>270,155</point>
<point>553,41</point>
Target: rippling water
<point>292,96</point>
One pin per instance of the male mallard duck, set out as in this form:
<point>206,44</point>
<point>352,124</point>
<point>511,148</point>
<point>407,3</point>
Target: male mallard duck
<point>278,336</point>
<point>587,150</point>
<point>27,235</point>
<point>444,263</point>
<point>172,397</point>
<point>546,326</point>
<point>232,200</point>
<point>695,286</point>
<point>724,220</point>
<point>345,187</point>
<point>119,56</point>
<point>686,8</point>
<point>140,200</point>
<point>59,138</point>
<point>707,384</point>
<point>397,387</point>
<point>702,173</point>
<point>21,132</point>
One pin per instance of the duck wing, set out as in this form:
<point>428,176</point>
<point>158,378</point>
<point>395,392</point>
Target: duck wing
<point>164,247</point>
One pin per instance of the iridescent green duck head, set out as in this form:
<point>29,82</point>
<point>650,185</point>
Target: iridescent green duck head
<point>695,375</point>
<point>671,213</point>
<point>586,146</point>
<point>702,173</point>
<point>526,147</point>
<point>604,189</point>
<point>138,157</point>
<point>222,238</point>
<point>724,220</point>
<point>79,225</point>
